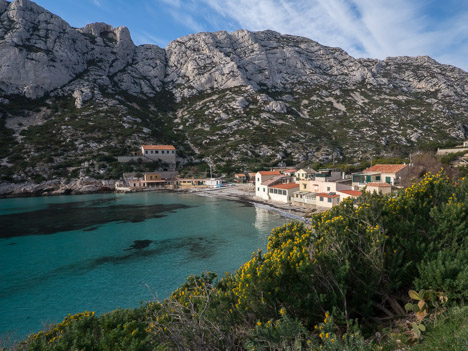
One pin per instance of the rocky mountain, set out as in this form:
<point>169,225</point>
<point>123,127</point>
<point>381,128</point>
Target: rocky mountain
<point>71,99</point>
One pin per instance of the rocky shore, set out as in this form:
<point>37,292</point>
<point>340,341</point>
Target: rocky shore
<point>57,187</point>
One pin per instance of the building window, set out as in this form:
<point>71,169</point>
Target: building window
<point>146,151</point>
<point>328,188</point>
<point>329,199</point>
<point>388,180</point>
<point>377,178</point>
<point>321,198</point>
<point>258,188</point>
<point>258,180</point>
<point>173,151</point>
<point>263,189</point>
<point>305,186</point>
<point>157,152</point>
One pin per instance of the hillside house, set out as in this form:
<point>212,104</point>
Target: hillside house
<point>305,174</point>
<point>164,153</point>
<point>380,173</point>
<point>327,175</point>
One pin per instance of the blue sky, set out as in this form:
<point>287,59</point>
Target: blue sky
<point>364,28</point>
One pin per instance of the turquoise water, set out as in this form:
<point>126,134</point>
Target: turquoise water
<point>67,254</point>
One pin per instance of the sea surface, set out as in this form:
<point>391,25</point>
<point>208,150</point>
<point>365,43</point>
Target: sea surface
<point>67,254</point>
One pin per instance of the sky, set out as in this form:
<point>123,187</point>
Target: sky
<point>363,28</point>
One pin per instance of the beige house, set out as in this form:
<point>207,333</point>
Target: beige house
<point>327,200</point>
<point>390,174</point>
<point>380,173</point>
<point>191,182</point>
<point>383,188</point>
<point>305,174</point>
<point>240,177</point>
<point>251,177</point>
<point>282,192</point>
<point>321,186</point>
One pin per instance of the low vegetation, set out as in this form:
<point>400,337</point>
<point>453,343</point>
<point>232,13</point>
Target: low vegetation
<point>382,273</point>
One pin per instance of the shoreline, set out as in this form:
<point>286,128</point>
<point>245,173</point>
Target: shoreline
<point>245,194</point>
<point>237,192</point>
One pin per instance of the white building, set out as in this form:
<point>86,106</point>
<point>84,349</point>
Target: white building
<point>261,190</point>
<point>282,192</point>
<point>165,153</point>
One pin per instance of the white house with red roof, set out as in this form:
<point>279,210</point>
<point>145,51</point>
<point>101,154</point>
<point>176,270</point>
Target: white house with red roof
<point>261,189</point>
<point>282,192</point>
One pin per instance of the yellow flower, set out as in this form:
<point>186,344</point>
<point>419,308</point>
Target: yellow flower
<point>259,323</point>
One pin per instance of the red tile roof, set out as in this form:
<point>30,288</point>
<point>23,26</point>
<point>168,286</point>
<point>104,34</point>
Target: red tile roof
<point>240,175</point>
<point>269,173</point>
<point>379,185</point>
<point>385,168</point>
<point>158,147</point>
<point>327,195</point>
<point>285,186</point>
<point>351,192</point>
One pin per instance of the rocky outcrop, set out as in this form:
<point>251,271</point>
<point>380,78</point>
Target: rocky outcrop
<point>57,187</point>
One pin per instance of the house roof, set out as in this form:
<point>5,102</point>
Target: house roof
<point>270,181</point>
<point>289,170</point>
<point>269,173</point>
<point>327,195</point>
<point>351,192</point>
<point>286,186</point>
<point>379,185</point>
<point>239,175</point>
<point>385,168</point>
<point>158,147</point>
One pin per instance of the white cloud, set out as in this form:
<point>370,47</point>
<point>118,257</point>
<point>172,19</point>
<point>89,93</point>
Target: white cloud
<point>364,28</point>
<point>97,3</point>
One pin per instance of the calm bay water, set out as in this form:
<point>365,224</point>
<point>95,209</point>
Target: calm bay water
<point>67,254</point>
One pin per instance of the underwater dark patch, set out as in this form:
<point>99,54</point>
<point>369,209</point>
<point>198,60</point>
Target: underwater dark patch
<point>139,244</point>
<point>190,247</point>
<point>78,216</point>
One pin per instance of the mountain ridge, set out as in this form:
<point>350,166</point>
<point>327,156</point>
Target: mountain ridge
<point>242,99</point>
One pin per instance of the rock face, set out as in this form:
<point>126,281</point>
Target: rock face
<point>73,99</point>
